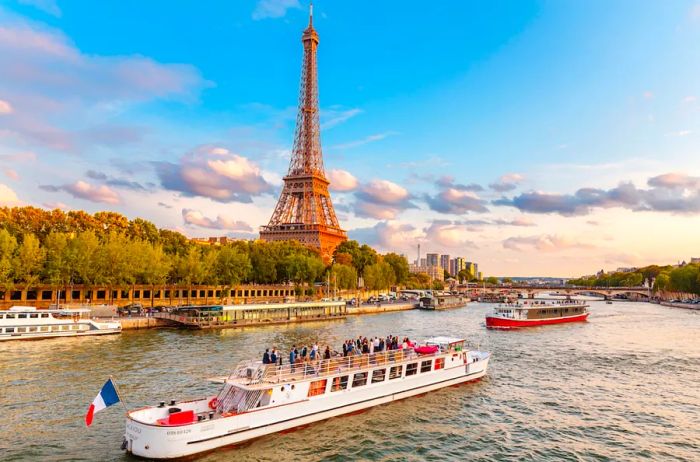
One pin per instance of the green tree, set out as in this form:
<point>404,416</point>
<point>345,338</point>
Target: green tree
<point>29,261</point>
<point>344,276</point>
<point>232,267</point>
<point>399,266</point>
<point>85,247</point>
<point>438,285</point>
<point>60,261</point>
<point>464,275</point>
<point>491,280</point>
<point>507,281</point>
<point>154,266</point>
<point>379,275</point>
<point>8,245</point>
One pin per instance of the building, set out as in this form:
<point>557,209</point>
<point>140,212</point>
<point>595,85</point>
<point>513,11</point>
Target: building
<point>432,259</point>
<point>304,211</point>
<point>695,260</point>
<point>434,272</point>
<point>422,262</point>
<point>221,240</point>
<point>445,263</point>
<point>471,267</point>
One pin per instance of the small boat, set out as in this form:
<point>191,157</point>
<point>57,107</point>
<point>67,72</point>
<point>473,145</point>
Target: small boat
<point>442,302</point>
<point>516,315</point>
<point>259,399</point>
<point>609,302</point>
<point>27,323</point>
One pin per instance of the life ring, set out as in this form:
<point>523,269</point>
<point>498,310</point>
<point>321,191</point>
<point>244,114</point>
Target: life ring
<point>214,403</point>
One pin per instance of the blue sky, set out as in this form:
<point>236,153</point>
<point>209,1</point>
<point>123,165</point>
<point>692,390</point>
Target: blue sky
<point>535,137</point>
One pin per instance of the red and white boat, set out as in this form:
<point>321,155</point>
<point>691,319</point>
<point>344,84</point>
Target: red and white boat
<point>259,399</point>
<point>536,313</point>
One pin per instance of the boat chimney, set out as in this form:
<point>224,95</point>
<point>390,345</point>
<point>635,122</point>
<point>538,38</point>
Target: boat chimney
<point>161,404</point>
<point>172,402</point>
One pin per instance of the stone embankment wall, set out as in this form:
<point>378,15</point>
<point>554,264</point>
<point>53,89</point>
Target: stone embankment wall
<point>381,308</point>
<point>686,306</point>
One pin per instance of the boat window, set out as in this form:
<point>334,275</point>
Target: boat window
<point>439,363</point>
<point>43,329</point>
<point>9,330</point>
<point>411,369</point>
<point>425,366</point>
<point>317,388</point>
<point>10,316</point>
<point>32,329</point>
<point>395,372</point>
<point>22,316</point>
<point>21,329</point>
<point>2,316</point>
<point>359,379</point>
<point>378,375</point>
<point>340,383</point>
<point>44,315</point>
<point>34,315</point>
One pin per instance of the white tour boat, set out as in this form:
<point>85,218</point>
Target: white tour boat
<point>258,399</point>
<point>26,323</point>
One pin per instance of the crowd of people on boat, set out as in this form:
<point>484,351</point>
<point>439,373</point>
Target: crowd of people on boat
<point>358,346</point>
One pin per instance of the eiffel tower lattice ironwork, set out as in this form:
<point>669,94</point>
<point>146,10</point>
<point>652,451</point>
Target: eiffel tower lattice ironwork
<point>304,211</point>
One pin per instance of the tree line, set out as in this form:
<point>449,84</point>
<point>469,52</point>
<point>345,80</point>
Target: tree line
<point>683,278</point>
<point>107,249</point>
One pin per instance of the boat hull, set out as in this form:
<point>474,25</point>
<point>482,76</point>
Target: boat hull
<point>154,442</point>
<point>496,322</point>
<point>47,335</point>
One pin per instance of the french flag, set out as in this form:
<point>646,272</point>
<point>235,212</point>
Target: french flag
<point>107,396</point>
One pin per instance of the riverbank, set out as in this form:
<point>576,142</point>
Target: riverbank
<point>141,322</point>
<point>381,308</point>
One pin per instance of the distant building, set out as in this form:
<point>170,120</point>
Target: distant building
<point>471,267</point>
<point>434,272</point>
<point>432,259</point>
<point>445,263</point>
<point>423,262</point>
<point>695,260</point>
<point>626,270</point>
<point>221,240</point>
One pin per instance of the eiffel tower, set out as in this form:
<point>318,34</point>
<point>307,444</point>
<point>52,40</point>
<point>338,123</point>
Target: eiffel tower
<point>304,211</point>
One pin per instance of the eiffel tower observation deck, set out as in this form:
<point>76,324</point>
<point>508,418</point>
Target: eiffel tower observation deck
<point>304,211</point>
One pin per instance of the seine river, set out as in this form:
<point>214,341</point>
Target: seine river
<point>624,386</point>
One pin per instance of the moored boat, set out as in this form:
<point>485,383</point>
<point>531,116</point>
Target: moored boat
<point>27,323</point>
<point>259,399</point>
<point>442,302</point>
<point>516,315</point>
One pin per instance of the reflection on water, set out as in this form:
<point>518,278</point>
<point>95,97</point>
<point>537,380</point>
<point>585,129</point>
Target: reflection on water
<point>622,386</point>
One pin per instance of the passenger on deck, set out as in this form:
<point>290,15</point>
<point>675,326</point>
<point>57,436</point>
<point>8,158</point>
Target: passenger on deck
<point>327,353</point>
<point>273,357</point>
<point>313,355</point>
<point>292,356</point>
<point>266,356</point>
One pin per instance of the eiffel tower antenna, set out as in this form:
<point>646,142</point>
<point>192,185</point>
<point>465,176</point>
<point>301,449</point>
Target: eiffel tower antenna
<point>304,211</point>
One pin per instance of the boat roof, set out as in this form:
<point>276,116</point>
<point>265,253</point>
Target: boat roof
<point>33,309</point>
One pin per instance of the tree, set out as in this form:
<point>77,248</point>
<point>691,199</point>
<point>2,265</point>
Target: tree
<point>232,267</point>
<point>85,247</point>
<point>362,256</point>
<point>29,261</point>
<point>506,281</point>
<point>155,266</point>
<point>58,268</point>
<point>343,276</point>
<point>379,275</point>
<point>662,281</point>
<point>8,245</point>
<point>464,275</point>
<point>399,266</point>
<point>438,285</point>
<point>491,280</point>
<point>343,258</point>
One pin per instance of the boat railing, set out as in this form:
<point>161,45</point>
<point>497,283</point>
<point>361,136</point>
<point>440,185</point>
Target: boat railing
<point>254,372</point>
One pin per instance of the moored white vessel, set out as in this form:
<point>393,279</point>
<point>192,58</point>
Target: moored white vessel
<point>259,399</point>
<point>536,313</point>
<point>27,323</point>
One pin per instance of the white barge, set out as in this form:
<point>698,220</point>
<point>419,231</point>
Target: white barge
<point>27,323</point>
<point>259,399</point>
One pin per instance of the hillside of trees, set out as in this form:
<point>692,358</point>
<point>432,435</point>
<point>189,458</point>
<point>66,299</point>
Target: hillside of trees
<point>684,278</point>
<point>62,248</point>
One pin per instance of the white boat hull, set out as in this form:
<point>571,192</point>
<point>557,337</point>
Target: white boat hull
<point>158,442</point>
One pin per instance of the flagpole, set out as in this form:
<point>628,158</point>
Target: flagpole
<point>116,388</point>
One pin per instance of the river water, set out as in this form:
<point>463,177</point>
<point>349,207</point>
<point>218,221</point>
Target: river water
<point>623,386</point>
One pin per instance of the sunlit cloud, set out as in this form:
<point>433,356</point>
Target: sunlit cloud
<point>195,217</point>
<point>273,8</point>
<point>83,190</point>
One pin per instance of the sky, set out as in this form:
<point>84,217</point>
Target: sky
<point>537,138</point>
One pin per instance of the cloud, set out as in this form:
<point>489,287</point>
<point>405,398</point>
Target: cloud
<point>363,141</point>
<point>5,107</point>
<point>47,6</point>
<point>449,182</point>
<point>83,190</point>
<point>689,99</point>
<point>11,174</point>
<point>25,156</point>
<point>7,196</point>
<point>679,133</point>
<point>216,173</point>
<point>387,236</point>
<point>670,192</point>
<point>116,182</point>
<point>195,217</point>
<point>342,180</point>
<point>544,243</point>
<point>164,205</point>
<point>382,199</point>
<point>57,91</point>
<point>507,182</point>
<point>273,8</point>
<point>519,221</point>
<point>449,234</point>
<point>334,116</point>
<point>56,205</point>
<point>456,201</point>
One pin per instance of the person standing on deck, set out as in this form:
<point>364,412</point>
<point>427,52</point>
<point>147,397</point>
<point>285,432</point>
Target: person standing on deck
<point>266,356</point>
<point>292,356</point>
<point>273,356</point>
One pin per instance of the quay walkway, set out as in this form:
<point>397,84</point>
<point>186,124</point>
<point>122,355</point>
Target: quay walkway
<point>226,316</point>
